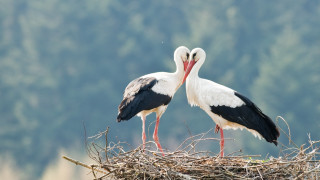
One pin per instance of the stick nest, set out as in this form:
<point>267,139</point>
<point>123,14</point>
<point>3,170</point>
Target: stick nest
<point>185,163</point>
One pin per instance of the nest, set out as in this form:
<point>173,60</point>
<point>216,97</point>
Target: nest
<point>181,165</point>
<point>113,162</point>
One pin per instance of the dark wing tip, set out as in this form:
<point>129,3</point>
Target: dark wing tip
<point>275,142</point>
<point>271,132</point>
<point>118,118</point>
<point>276,136</point>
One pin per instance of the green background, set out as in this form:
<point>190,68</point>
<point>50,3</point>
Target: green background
<point>65,64</point>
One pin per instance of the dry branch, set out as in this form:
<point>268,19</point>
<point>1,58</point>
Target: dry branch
<point>92,167</point>
<point>186,163</point>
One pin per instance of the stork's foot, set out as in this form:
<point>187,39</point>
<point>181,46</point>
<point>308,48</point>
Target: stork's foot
<point>156,140</point>
<point>216,130</point>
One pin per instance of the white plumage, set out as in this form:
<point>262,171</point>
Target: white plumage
<point>168,83</point>
<point>152,93</point>
<point>226,107</point>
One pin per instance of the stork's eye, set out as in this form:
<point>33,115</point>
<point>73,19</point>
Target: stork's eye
<point>194,55</point>
<point>187,55</point>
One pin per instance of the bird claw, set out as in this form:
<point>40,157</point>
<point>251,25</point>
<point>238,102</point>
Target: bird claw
<point>156,139</point>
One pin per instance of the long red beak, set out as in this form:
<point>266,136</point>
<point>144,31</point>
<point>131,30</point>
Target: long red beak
<point>190,65</point>
<point>185,65</point>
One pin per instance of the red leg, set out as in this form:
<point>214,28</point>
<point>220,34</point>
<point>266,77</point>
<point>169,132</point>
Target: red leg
<point>143,132</point>
<point>216,130</point>
<point>155,135</point>
<point>221,143</point>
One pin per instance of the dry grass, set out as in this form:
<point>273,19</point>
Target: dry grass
<point>186,163</point>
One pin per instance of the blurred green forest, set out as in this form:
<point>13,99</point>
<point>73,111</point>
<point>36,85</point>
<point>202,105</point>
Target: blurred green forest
<point>65,64</point>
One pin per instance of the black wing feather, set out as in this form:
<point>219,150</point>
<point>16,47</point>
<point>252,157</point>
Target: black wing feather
<point>138,96</point>
<point>250,116</point>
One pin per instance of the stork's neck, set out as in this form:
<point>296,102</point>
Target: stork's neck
<point>192,83</point>
<point>192,86</point>
<point>195,69</point>
<point>179,73</point>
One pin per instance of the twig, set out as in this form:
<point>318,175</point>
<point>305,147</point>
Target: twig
<point>307,172</point>
<point>106,147</point>
<point>82,164</point>
<point>289,136</point>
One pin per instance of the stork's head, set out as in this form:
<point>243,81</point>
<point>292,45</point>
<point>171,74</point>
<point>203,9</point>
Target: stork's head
<point>197,56</point>
<point>182,54</point>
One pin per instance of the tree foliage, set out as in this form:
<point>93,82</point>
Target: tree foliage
<point>66,63</point>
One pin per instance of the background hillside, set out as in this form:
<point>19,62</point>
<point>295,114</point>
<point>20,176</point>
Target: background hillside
<point>66,63</point>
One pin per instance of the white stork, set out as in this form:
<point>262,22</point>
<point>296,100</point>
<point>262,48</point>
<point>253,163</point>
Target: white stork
<point>226,107</point>
<point>152,93</point>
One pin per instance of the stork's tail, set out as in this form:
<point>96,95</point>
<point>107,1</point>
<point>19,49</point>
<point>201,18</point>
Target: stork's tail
<point>119,118</point>
<point>273,136</point>
<point>127,109</point>
<point>261,122</point>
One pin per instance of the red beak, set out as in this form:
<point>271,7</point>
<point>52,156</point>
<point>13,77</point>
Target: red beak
<point>185,65</point>
<point>190,65</point>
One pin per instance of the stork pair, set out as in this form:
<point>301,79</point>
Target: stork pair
<point>228,109</point>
